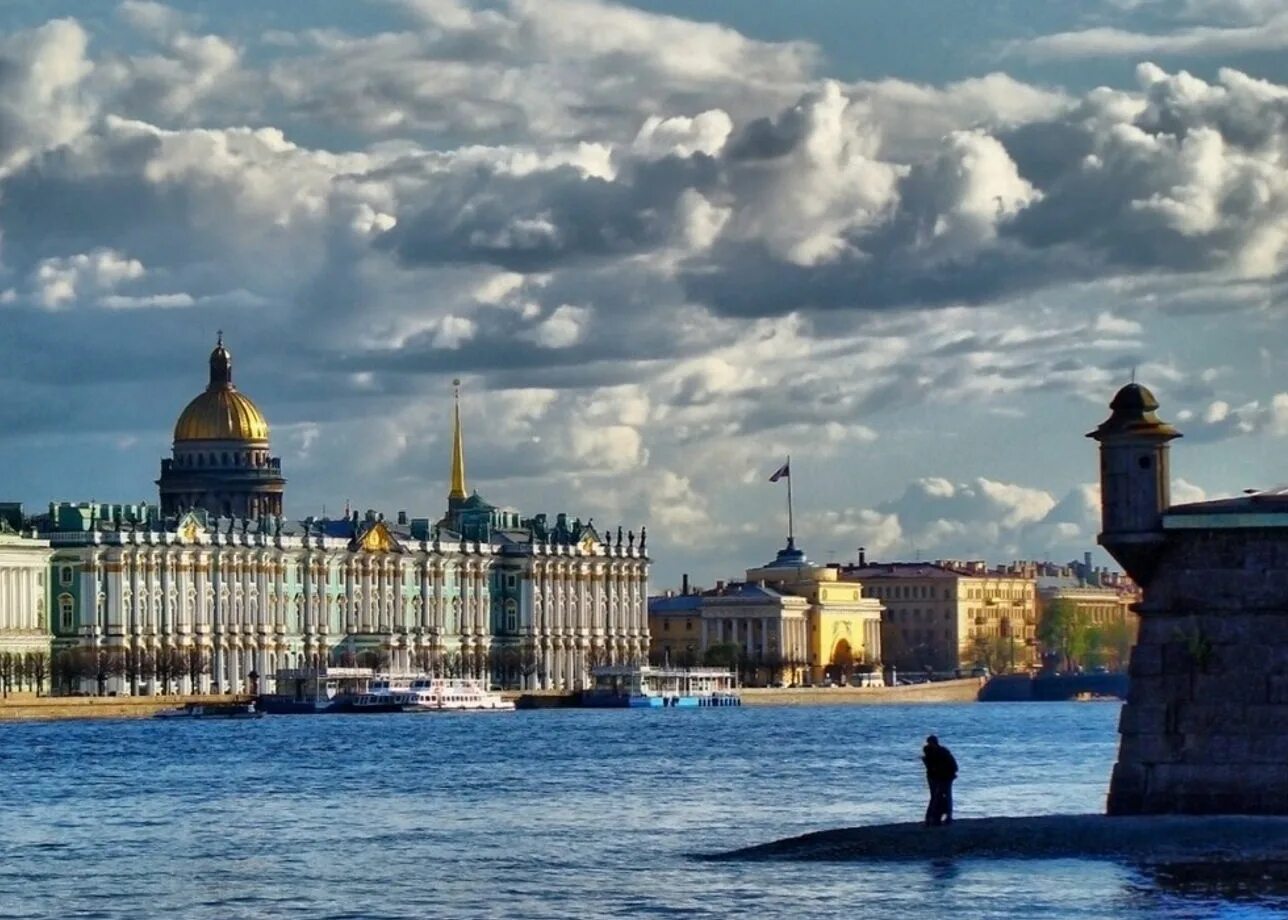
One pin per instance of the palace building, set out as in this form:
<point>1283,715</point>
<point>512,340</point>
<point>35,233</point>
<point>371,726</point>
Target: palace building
<point>24,608</point>
<point>214,589</point>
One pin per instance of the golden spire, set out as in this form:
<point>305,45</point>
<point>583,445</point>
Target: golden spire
<point>458,449</point>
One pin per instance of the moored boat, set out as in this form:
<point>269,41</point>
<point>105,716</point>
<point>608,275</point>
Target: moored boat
<point>211,711</point>
<point>647,687</point>
<point>441,694</point>
<point>419,693</point>
<point>317,690</point>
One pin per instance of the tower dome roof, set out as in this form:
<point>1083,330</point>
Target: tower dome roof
<point>1133,411</point>
<point>221,413</point>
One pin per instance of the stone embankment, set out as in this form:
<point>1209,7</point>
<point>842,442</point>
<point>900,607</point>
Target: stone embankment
<point>944,691</point>
<point>1157,840</point>
<point>30,708</point>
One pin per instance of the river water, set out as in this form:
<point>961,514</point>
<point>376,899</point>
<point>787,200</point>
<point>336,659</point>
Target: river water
<point>573,813</point>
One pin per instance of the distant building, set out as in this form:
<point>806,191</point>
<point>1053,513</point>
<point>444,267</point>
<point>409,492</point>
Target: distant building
<point>215,589</point>
<point>1101,602</point>
<point>948,614</point>
<point>24,608</point>
<point>790,620</point>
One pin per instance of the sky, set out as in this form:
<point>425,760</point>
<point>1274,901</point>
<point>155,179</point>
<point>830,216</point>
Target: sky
<point>664,245</point>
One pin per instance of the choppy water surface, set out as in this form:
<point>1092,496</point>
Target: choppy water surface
<point>548,814</point>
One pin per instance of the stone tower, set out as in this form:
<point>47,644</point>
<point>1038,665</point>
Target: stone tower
<point>1205,727</point>
<point>1134,478</point>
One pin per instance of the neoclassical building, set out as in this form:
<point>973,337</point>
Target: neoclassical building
<point>24,607</point>
<point>201,600</point>
<point>790,620</point>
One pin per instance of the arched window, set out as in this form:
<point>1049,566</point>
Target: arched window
<point>65,575</point>
<point>66,613</point>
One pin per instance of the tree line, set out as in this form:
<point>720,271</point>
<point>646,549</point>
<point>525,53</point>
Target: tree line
<point>1071,639</point>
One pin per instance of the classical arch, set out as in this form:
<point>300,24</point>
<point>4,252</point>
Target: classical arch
<point>841,661</point>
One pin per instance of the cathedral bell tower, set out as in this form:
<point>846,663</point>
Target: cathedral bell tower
<point>1134,479</point>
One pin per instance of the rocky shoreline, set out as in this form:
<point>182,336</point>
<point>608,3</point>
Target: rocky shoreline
<point>1152,840</point>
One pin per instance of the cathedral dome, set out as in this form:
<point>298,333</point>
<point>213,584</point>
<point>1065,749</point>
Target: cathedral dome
<point>221,413</point>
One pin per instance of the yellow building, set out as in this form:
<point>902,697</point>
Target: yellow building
<point>948,615</point>
<point>790,620</point>
<point>1105,611</point>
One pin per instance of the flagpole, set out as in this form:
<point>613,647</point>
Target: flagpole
<point>791,524</point>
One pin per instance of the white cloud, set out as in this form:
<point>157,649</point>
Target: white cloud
<point>41,99</point>
<point>452,332</point>
<point>57,282</point>
<point>561,329</point>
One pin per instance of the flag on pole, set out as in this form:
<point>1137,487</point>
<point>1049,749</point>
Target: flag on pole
<point>784,470</point>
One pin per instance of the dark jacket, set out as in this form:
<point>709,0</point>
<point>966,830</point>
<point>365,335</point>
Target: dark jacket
<point>941,766</point>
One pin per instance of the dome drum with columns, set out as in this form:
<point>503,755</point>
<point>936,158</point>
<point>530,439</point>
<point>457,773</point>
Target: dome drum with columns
<point>221,461</point>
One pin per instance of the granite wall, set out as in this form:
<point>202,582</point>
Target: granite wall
<point>1205,727</point>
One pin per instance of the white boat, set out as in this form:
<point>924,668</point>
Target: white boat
<point>647,687</point>
<point>420,693</point>
<point>441,694</point>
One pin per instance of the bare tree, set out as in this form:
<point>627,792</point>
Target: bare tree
<point>139,665</point>
<point>196,661</point>
<point>425,660</point>
<point>38,669</point>
<point>108,662</point>
<point>7,669</point>
<point>597,656</point>
<point>170,664</point>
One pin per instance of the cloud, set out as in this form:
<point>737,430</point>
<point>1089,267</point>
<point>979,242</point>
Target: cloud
<point>1220,420</point>
<point>657,252</point>
<point>41,103</point>
<point>59,281</point>
<point>554,70</point>
<point>936,517</point>
<point>561,329</point>
<point>1268,34</point>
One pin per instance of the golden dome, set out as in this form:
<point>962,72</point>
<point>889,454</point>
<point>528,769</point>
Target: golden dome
<point>221,413</point>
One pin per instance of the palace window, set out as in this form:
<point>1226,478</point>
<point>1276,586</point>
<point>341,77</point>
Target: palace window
<point>511,617</point>
<point>65,575</point>
<point>66,613</point>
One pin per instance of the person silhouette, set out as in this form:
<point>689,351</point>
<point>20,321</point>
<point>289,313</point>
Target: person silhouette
<point>941,770</point>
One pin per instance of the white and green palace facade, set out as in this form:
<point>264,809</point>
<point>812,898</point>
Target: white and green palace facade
<point>531,607</point>
<point>212,589</point>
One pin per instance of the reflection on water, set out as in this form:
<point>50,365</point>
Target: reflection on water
<point>548,814</point>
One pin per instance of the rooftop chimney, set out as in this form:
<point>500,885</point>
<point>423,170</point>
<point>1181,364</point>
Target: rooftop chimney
<point>684,584</point>
<point>402,518</point>
<point>863,555</point>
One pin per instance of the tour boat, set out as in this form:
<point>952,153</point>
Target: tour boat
<point>438,694</point>
<point>419,693</point>
<point>646,687</point>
